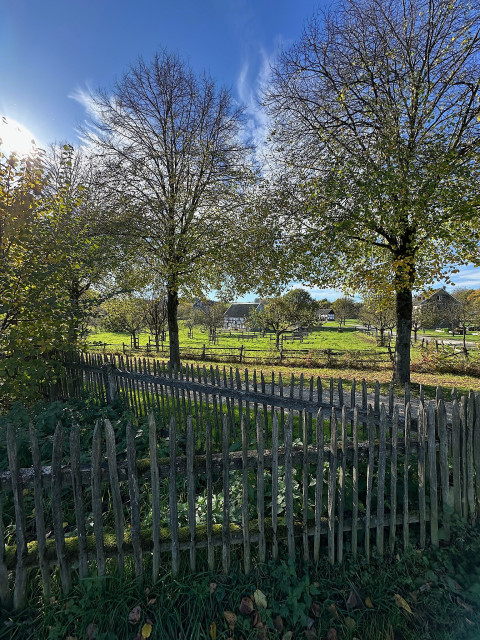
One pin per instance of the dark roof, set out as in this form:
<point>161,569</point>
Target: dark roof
<point>433,297</point>
<point>240,310</point>
<point>325,312</point>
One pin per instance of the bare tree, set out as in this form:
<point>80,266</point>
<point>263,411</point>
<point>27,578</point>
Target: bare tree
<point>377,118</point>
<point>174,164</point>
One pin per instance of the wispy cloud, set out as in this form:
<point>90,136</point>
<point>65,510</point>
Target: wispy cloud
<point>251,82</point>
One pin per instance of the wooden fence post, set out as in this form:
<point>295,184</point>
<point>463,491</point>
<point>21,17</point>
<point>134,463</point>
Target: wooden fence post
<point>109,381</point>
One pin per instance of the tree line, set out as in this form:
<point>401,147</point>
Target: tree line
<point>370,182</point>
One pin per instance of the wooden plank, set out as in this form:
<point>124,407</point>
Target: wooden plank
<point>289,485</point>
<point>305,484</point>
<point>457,489</point>
<point>155,483</point>
<point>20,534</point>
<point>134,500</point>
<point>432,468</point>
<point>57,515</point>
<point>208,464</point>
<point>97,497</point>
<point>320,439</point>
<point>190,453</point>
<point>355,484</point>
<point>274,485</point>
<point>226,499</point>
<point>393,478</point>
<point>5,596</point>
<point>447,497</point>
<point>370,470</point>
<point>463,455</point>
<point>376,398</point>
<point>117,507</point>
<point>172,490</point>
<point>421,473</point>
<point>341,487</point>
<point>332,486</point>
<point>476,451</point>
<point>381,471</point>
<point>245,518</point>
<point>78,497</point>
<point>340,392</point>
<point>260,491</point>
<point>469,460</point>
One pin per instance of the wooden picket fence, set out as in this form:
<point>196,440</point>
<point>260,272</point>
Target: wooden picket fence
<point>235,469</point>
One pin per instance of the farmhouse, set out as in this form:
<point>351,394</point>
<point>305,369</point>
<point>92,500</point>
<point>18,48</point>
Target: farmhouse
<point>235,316</point>
<point>438,300</point>
<point>326,315</point>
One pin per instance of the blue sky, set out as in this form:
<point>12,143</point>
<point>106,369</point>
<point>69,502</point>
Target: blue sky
<point>53,52</point>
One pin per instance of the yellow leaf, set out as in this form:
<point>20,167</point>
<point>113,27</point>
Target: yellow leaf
<point>369,603</point>
<point>231,618</point>
<point>146,630</point>
<point>401,603</point>
<point>213,630</point>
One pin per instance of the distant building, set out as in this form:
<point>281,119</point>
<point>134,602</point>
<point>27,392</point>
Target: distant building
<point>235,316</point>
<point>326,315</point>
<point>202,304</point>
<point>438,300</point>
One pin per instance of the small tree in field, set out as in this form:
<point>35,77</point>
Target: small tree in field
<point>125,314</point>
<point>378,312</point>
<point>344,309</point>
<point>156,317</point>
<point>295,309</point>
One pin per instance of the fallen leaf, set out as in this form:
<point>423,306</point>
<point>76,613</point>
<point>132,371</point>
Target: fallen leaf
<point>151,601</point>
<point>278,624</point>
<point>146,630</point>
<point>135,615</point>
<point>91,631</point>
<point>310,634</point>
<point>309,623</point>
<point>333,610</point>
<point>246,606</point>
<point>463,604</point>
<point>332,634</point>
<point>288,635</point>
<point>369,603</point>
<point>352,600</point>
<point>260,599</point>
<point>350,623</point>
<point>401,603</point>
<point>213,630</point>
<point>231,618</point>
<point>71,638</point>
<point>213,586</point>
<point>262,632</point>
<point>316,609</point>
<point>256,620</point>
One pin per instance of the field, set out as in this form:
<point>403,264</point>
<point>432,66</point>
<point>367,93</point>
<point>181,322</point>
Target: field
<point>327,337</point>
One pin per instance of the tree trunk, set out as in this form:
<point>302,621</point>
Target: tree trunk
<point>277,340</point>
<point>404,309</point>
<point>172,317</point>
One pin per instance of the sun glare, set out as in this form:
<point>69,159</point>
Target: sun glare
<point>15,138</point>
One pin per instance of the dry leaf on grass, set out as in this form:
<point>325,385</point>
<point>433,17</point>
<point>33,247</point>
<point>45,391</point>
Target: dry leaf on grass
<point>316,609</point>
<point>288,635</point>
<point>333,610</point>
<point>256,620</point>
<point>147,629</point>
<point>352,601</point>
<point>401,603</point>
<point>212,586</point>
<point>350,623</point>
<point>369,603</point>
<point>332,634</point>
<point>310,634</point>
<point>278,624</point>
<point>246,606</point>
<point>213,630</point>
<point>231,618</point>
<point>91,631</point>
<point>260,599</point>
<point>135,615</point>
